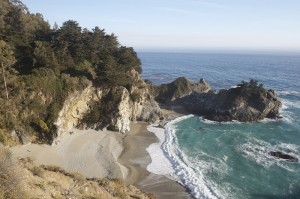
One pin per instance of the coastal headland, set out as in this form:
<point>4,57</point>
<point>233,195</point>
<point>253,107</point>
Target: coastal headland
<point>74,99</point>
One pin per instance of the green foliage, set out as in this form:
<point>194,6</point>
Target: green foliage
<point>43,55</point>
<point>6,54</point>
<point>43,65</point>
<point>249,89</point>
<point>252,84</point>
<point>42,126</point>
<point>127,57</point>
<point>135,96</point>
<point>86,69</point>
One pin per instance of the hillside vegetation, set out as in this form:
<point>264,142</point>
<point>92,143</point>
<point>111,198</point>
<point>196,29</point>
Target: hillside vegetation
<point>41,65</point>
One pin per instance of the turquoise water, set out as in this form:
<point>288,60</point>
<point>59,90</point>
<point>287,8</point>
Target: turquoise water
<point>234,157</point>
<point>231,160</point>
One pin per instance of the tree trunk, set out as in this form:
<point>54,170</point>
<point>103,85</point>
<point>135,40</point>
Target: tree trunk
<point>3,70</point>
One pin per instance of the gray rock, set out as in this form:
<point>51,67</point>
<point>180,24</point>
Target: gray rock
<point>179,88</point>
<point>245,103</point>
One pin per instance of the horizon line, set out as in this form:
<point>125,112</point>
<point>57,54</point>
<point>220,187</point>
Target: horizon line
<point>241,51</point>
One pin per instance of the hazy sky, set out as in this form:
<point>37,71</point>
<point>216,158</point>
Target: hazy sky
<point>185,24</point>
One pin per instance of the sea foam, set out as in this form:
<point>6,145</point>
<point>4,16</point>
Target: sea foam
<point>206,121</point>
<point>258,151</point>
<point>285,111</point>
<point>182,169</point>
<point>159,163</point>
<point>283,93</point>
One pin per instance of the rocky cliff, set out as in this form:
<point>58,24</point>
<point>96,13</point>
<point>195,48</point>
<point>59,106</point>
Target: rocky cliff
<point>109,107</point>
<point>75,106</point>
<point>145,108</point>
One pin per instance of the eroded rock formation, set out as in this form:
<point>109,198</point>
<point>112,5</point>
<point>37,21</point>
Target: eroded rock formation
<point>109,107</point>
<point>246,103</point>
<point>179,88</point>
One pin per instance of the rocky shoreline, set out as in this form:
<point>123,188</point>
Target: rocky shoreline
<point>247,102</point>
<point>114,107</point>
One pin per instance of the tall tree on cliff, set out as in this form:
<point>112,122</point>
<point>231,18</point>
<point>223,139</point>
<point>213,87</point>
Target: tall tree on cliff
<point>7,59</point>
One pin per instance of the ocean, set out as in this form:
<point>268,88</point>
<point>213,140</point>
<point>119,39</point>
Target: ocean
<point>229,160</point>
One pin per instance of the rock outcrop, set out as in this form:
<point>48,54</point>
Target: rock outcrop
<point>246,103</point>
<point>76,105</point>
<point>179,88</point>
<point>145,108</point>
<point>109,107</point>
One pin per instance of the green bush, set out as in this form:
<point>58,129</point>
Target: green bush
<point>51,63</point>
<point>135,96</point>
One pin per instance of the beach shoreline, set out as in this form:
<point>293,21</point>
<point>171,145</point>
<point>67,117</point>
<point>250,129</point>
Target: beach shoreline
<point>136,158</point>
<point>101,154</point>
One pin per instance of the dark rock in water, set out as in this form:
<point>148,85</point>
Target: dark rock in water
<point>247,102</point>
<point>181,87</point>
<point>284,156</point>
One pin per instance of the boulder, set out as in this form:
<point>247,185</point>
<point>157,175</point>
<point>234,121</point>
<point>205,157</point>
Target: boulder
<point>284,156</point>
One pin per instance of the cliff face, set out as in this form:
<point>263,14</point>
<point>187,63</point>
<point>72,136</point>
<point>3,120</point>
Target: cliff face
<point>109,107</point>
<point>76,105</point>
<point>145,108</point>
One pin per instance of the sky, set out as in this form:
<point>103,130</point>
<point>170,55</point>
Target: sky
<point>184,25</point>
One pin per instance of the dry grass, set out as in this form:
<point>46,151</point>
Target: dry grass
<point>10,177</point>
<point>6,138</point>
<point>54,182</point>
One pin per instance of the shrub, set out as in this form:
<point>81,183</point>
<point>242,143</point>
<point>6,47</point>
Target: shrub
<point>37,171</point>
<point>42,125</point>
<point>6,139</point>
<point>135,96</point>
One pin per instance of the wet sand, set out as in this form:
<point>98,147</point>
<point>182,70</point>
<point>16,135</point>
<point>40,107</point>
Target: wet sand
<point>136,158</point>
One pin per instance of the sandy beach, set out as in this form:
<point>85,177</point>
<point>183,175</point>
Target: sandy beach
<point>91,153</point>
<point>109,154</point>
<point>136,159</point>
